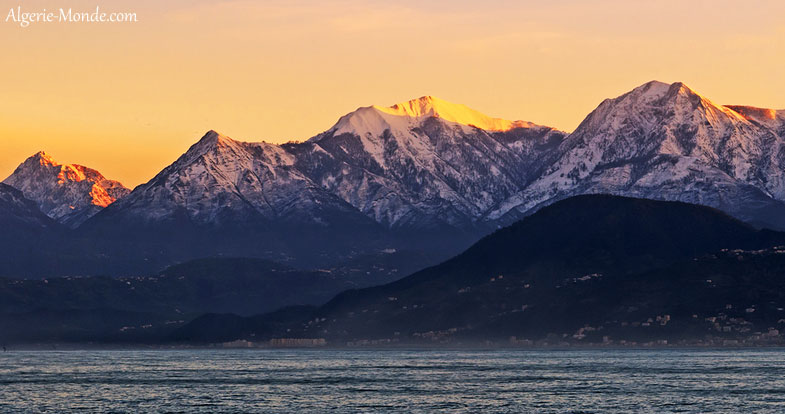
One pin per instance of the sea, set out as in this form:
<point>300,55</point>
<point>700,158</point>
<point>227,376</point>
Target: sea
<point>393,381</point>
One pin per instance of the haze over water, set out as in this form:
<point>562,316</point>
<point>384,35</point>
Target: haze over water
<point>305,381</point>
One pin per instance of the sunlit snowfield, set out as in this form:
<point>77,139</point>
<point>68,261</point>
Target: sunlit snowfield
<point>209,381</point>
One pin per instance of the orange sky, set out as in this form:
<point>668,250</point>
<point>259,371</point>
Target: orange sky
<point>128,99</point>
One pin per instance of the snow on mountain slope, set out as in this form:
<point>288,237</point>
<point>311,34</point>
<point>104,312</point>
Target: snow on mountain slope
<point>425,163</point>
<point>667,142</point>
<point>68,193</point>
<point>401,117</point>
<point>225,182</point>
<point>432,107</point>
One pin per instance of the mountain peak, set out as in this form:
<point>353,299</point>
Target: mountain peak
<point>655,90</point>
<point>432,107</point>
<point>653,85</point>
<point>679,94</point>
<point>43,158</point>
<point>660,105</point>
<point>656,94</point>
<point>679,88</point>
<point>213,136</point>
<point>419,107</point>
<point>374,120</point>
<point>211,141</point>
<point>68,193</point>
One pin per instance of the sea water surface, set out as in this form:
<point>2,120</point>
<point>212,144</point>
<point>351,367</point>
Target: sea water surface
<point>406,381</point>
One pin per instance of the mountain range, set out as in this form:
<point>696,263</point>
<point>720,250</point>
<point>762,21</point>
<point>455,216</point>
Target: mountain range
<point>424,174</point>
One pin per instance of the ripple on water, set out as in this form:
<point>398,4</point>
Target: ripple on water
<point>229,381</point>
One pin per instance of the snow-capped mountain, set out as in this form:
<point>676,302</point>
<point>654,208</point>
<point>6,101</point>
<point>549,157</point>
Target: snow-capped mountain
<point>425,163</point>
<point>667,142</point>
<point>68,193</point>
<point>220,181</point>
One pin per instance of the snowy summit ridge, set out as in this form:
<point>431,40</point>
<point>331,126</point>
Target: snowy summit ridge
<point>402,116</point>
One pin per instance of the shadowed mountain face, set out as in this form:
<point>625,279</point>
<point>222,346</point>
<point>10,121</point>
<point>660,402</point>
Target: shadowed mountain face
<point>584,261</point>
<point>27,233</point>
<point>19,214</point>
